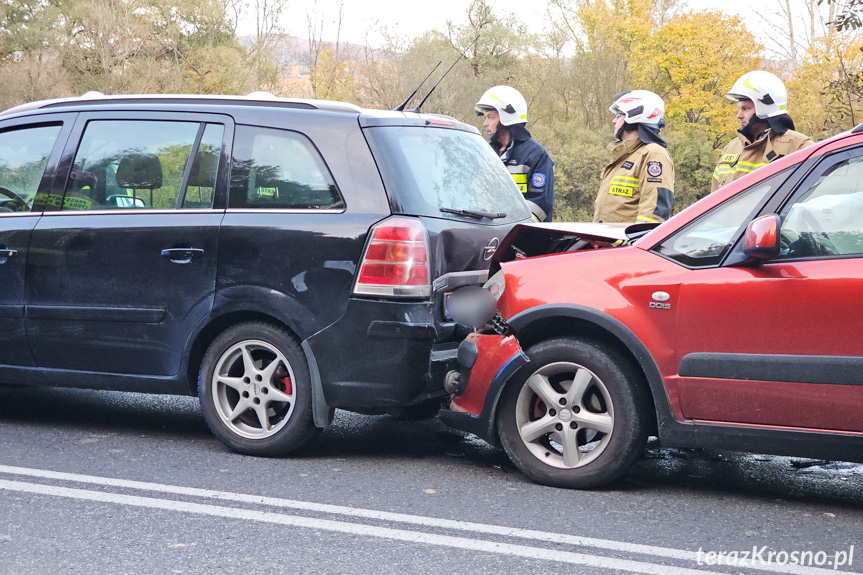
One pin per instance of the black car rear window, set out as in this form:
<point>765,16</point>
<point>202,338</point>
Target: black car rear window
<point>426,169</point>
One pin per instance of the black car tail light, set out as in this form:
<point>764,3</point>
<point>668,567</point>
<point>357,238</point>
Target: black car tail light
<point>396,261</point>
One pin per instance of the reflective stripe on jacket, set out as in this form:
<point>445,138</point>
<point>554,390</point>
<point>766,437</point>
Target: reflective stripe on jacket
<point>531,167</point>
<point>740,156</point>
<point>638,184</point>
<point>519,174</point>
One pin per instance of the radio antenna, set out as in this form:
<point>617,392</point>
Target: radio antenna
<point>418,109</point>
<point>401,106</point>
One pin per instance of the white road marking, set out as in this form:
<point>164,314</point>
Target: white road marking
<point>356,529</point>
<point>359,512</point>
<point>355,512</point>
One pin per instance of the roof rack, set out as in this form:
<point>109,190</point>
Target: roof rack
<point>257,98</point>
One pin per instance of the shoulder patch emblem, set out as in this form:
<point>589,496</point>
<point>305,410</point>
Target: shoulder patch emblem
<point>538,180</point>
<point>654,169</point>
<point>627,165</point>
<point>728,158</point>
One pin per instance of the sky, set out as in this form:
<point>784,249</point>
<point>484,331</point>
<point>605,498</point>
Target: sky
<point>362,18</point>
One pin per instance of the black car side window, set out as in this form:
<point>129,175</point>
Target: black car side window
<point>130,164</point>
<point>827,219</point>
<point>205,167</point>
<point>278,169</point>
<point>23,157</point>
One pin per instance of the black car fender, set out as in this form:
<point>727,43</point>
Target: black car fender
<point>256,304</point>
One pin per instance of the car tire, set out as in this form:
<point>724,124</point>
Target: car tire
<point>575,416</point>
<point>255,390</point>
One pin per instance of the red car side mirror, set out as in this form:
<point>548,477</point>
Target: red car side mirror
<point>761,239</point>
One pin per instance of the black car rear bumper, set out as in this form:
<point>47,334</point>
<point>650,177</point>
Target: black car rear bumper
<point>383,354</point>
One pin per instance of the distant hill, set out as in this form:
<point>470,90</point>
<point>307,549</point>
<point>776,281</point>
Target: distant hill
<point>293,53</point>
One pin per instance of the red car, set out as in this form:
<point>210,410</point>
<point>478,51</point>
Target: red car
<point>735,325</point>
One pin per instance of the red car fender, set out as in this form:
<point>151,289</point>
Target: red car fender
<point>487,362</point>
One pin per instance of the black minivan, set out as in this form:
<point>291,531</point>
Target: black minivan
<point>279,258</point>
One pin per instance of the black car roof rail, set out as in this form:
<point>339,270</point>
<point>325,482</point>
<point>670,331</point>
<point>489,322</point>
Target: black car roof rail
<point>168,100</point>
<point>264,99</point>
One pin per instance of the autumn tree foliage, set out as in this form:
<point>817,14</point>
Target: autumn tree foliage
<point>331,77</point>
<point>692,62</point>
<point>569,73</point>
<point>124,46</point>
<point>828,87</point>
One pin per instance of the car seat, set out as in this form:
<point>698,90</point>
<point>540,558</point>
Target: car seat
<point>140,171</point>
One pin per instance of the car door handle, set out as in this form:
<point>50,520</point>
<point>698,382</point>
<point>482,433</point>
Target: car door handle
<point>182,255</point>
<point>6,253</point>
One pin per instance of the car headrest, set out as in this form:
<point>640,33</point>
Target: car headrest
<point>140,171</point>
<point>204,170</point>
<point>83,179</point>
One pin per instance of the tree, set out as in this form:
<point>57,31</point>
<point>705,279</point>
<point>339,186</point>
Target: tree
<point>579,156</point>
<point>502,55</point>
<point>333,78</point>
<point>27,26</point>
<point>330,70</point>
<point>267,34</point>
<point>382,79</point>
<point>826,96</point>
<point>197,36</point>
<point>692,61</point>
<point>602,34</point>
<point>848,13</point>
<point>29,66</point>
<point>502,39</point>
<point>110,45</point>
<point>790,38</point>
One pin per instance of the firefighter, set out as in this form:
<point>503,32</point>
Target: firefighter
<point>505,111</point>
<point>766,130</point>
<point>638,185</point>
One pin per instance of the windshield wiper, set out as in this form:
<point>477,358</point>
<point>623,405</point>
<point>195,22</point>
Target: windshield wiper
<point>475,213</point>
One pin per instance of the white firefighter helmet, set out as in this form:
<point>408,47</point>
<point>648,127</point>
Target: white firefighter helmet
<point>509,103</point>
<point>639,107</point>
<point>766,91</point>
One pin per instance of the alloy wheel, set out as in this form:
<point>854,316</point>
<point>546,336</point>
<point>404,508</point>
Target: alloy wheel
<point>253,389</point>
<point>564,415</point>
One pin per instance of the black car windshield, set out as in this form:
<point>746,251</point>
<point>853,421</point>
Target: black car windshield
<point>427,169</point>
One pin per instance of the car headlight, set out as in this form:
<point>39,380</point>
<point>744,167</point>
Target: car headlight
<point>496,284</point>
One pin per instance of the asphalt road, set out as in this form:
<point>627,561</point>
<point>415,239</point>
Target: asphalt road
<point>102,482</point>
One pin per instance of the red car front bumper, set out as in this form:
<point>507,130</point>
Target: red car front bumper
<point>486,363</point>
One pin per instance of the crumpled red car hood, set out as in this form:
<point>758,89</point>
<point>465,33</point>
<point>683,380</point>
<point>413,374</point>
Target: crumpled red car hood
<point>536,239</point>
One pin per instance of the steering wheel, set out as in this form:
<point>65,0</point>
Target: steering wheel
<point>14,201</point>
<point>812,240</point>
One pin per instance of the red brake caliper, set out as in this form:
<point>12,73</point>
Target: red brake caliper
<point>538,409</point>
<point>286,381</point>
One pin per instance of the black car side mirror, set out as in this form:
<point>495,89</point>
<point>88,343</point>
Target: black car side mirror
<point>761,239</point>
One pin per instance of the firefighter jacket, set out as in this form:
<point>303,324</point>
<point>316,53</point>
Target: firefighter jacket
<point>530,166</point>
<point>637,186</point>
<point>741,156</point>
